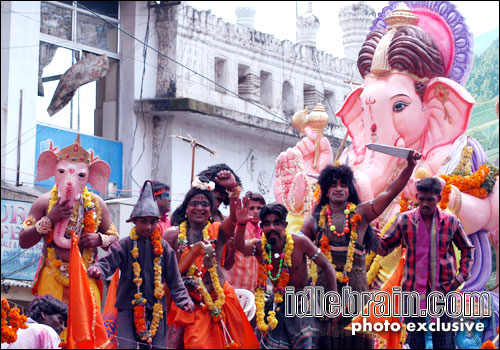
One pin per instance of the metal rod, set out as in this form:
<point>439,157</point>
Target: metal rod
<point>192,161</point>
<point>19,128</point>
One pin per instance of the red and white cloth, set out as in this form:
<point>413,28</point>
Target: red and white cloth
<point>243,274</point>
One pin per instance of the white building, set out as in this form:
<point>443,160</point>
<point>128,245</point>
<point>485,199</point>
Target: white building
<point>230,87</point>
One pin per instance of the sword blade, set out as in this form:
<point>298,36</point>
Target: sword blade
<point>399,152</point>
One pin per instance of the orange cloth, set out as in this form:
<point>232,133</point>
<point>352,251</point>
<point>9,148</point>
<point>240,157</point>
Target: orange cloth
<point>85,325</point>
<point>201,332</point>
<point>389,339</point>
<point>110,314</point>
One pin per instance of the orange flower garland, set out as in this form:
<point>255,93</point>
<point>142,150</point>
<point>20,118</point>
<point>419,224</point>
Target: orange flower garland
<point>445,197</point>
<point>139,301</point>
<point>325,242</point>
<point>488,345</point>
<point>470,184</point>
<point>9,329</point>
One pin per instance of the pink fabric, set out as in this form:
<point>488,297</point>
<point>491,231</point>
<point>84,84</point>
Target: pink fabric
<point>423,258</point>
<point>36,336</point>
<point>243,274</point>
<point>166,220</point>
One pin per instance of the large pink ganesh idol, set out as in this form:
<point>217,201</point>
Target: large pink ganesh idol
<point>68,209</point>
<point>414,63</point>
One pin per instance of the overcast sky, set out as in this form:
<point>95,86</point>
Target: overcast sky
<point>278,17</point>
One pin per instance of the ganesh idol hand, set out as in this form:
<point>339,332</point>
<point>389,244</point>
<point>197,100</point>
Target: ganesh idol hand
<point>60,211</point>
<point>90,240</point>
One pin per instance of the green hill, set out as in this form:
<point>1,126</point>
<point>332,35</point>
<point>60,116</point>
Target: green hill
<point>483,86</point>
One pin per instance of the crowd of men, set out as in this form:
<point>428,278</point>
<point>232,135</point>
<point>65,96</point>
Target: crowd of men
<point>179,273</point>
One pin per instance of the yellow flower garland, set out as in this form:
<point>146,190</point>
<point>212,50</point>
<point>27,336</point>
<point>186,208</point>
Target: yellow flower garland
<point>55,264</point>
<point>215,308</point>
<point>341,276</point>
<point>375,265</point>
<point>279,290</point>
<point>139,301</point>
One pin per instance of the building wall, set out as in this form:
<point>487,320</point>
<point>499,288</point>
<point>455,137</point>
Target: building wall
<point>19,64</point>
<point>202,38</point>
<point>249,153</point>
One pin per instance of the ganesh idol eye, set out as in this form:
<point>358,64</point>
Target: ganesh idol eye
<point>81,174</point>
<point>61,171</point>
<point>399,106</point>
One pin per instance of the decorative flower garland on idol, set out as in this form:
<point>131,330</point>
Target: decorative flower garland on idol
<point>139,301</point>
<point>283,276</point>
<point>91,221</point>
<point>325,242</point>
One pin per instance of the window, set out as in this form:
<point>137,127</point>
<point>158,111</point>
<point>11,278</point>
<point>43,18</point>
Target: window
<point>311,96</point>
<point>94,104</point>
<point>71,21</point>
<point>221,74</point>
<point>266,89</point>
<point>248,84</point>
<point>288,102</point>
<point>243,71</point>
<point>329,104</point>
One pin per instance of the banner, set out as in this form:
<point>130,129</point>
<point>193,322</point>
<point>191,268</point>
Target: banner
<point>17,263</point>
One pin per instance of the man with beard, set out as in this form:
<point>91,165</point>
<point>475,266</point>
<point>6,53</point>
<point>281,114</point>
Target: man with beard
<point>282,258</point>
<point>427,233</point>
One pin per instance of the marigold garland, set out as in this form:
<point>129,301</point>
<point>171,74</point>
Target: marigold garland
<point>139,301</point>
<point>325,242</point>
<point>279,290</point>
<point>91,221</point>
<point>470,184</point>
<point>214,307</point>
<point>17,320</point>
<point>488,345</point>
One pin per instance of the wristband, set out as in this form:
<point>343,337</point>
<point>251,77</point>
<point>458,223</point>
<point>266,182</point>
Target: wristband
<point>254,249</point>
<point>316,255</point>
<point>29,222</point>
<point>235,193</point>
<point>43,226</point>
<point>457,202</point>
<point>105,239</point>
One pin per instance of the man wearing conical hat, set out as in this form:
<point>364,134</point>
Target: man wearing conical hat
<point>145,262</point>
<point>68,207</point>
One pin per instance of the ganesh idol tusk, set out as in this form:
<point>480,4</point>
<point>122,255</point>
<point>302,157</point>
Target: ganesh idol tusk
<point>399,152</point>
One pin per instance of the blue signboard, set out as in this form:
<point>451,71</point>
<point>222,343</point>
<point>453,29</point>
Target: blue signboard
<point>109,151</point>
<point>17,263</point>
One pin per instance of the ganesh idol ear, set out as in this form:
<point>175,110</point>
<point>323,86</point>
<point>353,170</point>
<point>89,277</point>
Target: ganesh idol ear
<point>99,175</point>
<point>46,165</point>
<point>352,117</point>
<point>449,106</point>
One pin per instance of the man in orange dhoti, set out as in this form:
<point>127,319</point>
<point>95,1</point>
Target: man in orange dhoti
<point>218,320</point>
